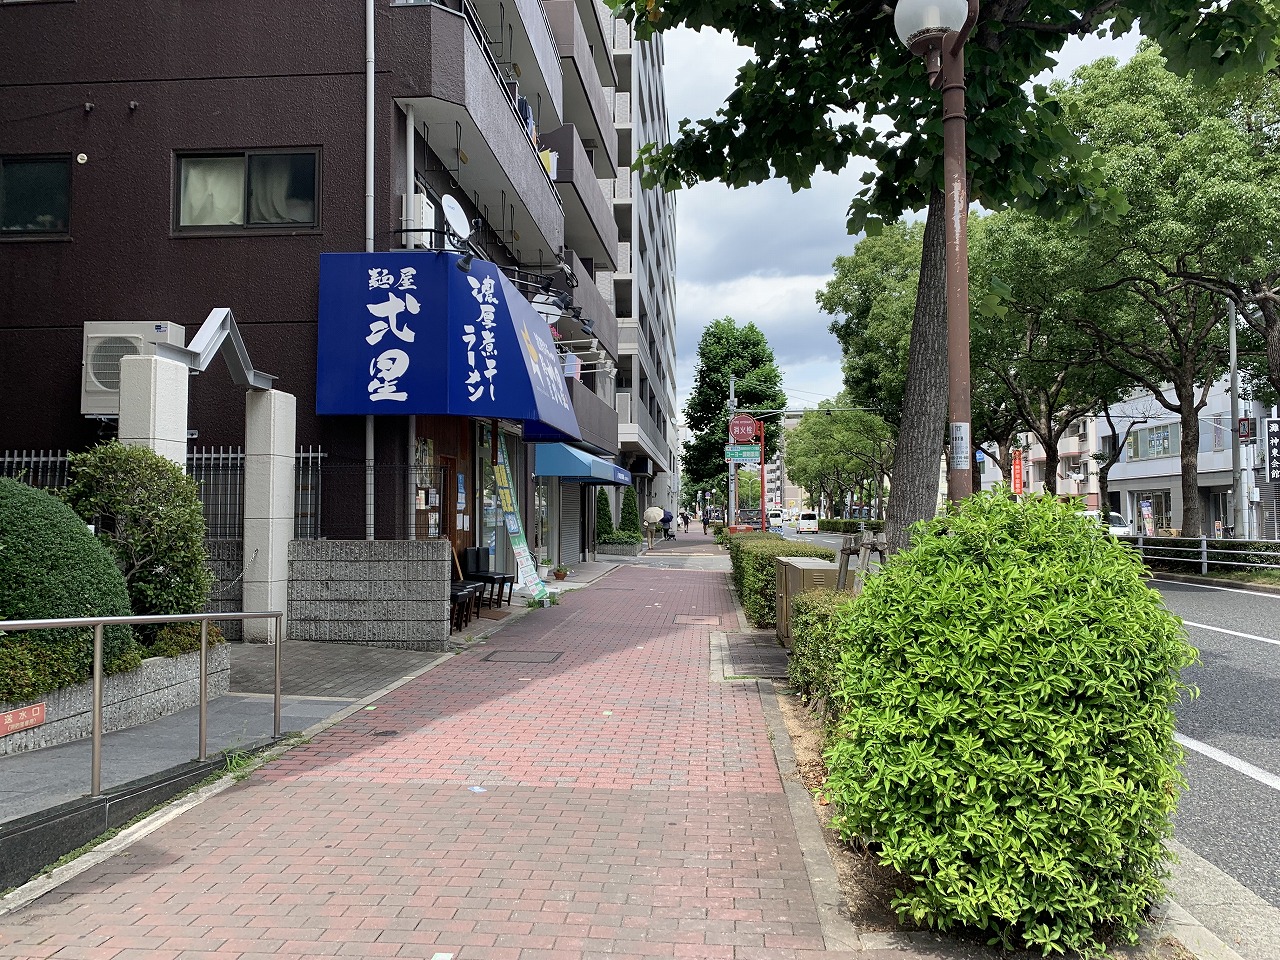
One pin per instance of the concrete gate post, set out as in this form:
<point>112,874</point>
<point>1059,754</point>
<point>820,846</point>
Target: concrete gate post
<point>153,406</point>
<point>270,436</point>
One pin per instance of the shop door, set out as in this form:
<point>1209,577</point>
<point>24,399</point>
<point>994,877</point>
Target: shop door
<point>570,522</point>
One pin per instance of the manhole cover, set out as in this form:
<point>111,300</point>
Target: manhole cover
<point>701,621</point>
<point>522,656</point>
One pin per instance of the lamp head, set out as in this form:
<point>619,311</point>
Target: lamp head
<point>588,326</point>
<point>923,23</point>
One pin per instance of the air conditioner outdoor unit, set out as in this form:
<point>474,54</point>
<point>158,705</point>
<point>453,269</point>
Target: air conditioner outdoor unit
<point>106,343</point>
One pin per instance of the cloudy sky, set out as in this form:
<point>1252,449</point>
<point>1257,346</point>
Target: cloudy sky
<point>761,253</point>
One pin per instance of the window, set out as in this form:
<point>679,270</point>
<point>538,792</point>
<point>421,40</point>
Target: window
<point>1148,442</point>
<point>35,195</point>
<point>247,190</point>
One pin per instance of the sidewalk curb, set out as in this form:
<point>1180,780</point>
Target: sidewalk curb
<point>838,932</point>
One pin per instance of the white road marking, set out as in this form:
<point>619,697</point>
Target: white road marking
<point>1235,763</point>
<point>1206,586</point>
<point>1234,633</point>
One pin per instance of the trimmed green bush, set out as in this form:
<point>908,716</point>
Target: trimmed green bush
<point>621,537</point>
<point>147,512</point>
<point>850,526</point>
<point>755,577</point>
<point>604,515</point>
<point>175,639</point>
<point>629,520</point>
<point>1005,725</point>
<point>819,630</point>
<point>51,566</point>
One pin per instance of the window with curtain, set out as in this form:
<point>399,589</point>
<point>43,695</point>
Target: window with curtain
<point>35,195</point>
<point>245,190</point>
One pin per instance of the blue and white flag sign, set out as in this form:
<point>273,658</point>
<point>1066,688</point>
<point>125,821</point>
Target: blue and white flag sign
<point>407,332</point>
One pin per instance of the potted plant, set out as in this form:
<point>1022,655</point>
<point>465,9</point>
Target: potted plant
<point>544,567</point>
<point>560,571</point>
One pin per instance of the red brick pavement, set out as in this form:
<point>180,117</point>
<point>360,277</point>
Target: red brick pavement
<point>632,807</point>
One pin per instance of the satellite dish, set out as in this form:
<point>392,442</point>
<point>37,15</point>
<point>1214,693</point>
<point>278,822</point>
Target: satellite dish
<point>456,217</point>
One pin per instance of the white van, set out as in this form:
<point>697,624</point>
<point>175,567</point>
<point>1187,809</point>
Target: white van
<point>775,520</point>
<point>1115,523</point>
<point>807,522</point>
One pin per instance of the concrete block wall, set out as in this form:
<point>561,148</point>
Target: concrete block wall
<point>381,593</point>
<point>159,687</point>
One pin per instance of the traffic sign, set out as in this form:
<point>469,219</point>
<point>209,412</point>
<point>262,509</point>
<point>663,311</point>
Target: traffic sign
<point>742,453</point>
<point>743,427</point>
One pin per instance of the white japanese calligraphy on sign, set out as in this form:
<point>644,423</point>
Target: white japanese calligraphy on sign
<point>481,342</point>
<point>389,366</point>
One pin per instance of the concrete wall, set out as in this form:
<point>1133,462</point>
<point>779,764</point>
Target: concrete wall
<point>379,593</point>
<point>158,688</point>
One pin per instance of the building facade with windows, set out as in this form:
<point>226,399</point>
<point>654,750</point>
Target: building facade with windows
<point>643,286</point>
<point>156,164</point>
<point>1145,485</point>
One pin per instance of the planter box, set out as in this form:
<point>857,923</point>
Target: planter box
<point>620,549</point>
<point>159,687</point>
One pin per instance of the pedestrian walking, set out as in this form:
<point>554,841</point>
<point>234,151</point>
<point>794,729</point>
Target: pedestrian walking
<point>706,521</point>
<point>684,519</point>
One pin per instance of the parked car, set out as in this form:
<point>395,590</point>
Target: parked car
<point>807,522</point>
<point>1115,523</point>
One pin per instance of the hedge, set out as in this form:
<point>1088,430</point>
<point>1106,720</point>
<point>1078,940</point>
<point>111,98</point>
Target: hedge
<point>1005,726</point>
<point>850,526</point>
<point>819,634</point>
<point>755,574</point>
<point>51,566</point>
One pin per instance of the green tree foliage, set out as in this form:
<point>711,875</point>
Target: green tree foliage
<point>725,350</point>
<point>148,514</point>
<point>604,513</point>
<point>1004,724</point>
<point>629,522</point>
<point>830,82</point>
<point>832,452</point>
<point>52,567</point>
<point>1028,336</point>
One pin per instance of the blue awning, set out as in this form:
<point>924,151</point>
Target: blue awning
<point>407,332</point>
<point>575,466</point>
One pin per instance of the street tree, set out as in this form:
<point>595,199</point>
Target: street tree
<point>1196,217</point>
<point>829,83</point>
<point>727,350</point>
<point>1029,286</point>
<point>833,452</point>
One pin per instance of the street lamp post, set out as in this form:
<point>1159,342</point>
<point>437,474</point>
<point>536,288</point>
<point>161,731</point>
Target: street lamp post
<point>937,30</point>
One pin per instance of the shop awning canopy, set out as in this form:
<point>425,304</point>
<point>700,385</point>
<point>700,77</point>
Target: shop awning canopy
<point>572,465</point>
<point>409,332</point>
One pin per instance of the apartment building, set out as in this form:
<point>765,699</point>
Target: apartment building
<point>160,160</point>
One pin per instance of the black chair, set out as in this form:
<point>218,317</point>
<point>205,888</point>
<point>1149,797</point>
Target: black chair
<point>464,603</point>
<point>475,566</point>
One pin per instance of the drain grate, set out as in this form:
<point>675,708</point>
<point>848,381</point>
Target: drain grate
<point>523,656</point>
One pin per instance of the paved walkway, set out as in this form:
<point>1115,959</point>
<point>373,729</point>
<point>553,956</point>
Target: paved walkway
<point>577,786</point>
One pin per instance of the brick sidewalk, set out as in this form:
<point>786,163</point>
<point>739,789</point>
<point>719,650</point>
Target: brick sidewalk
<point>578,787</point>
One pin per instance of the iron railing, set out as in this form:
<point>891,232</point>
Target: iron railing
<point>1207,553</point>
<point>98,623</point>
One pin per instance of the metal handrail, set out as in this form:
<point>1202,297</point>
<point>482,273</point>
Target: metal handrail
<point>1175,550</point>
<point>98,623</point>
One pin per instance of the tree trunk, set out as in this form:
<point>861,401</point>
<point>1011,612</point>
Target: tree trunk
<point>1189,453</point>
<point>917,459</point>
<point>1052,460</point>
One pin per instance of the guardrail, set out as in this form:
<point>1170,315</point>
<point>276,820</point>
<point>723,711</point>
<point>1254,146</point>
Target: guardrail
<point>1207,552</point>
<point>98,623</point>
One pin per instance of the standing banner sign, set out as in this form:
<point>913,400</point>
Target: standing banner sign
<point>1016,469</point>
<point>526,569</point>
<point>1271,437</point>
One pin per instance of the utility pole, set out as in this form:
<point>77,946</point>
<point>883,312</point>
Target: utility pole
<point>1237,477</point>
<point>732,516</point>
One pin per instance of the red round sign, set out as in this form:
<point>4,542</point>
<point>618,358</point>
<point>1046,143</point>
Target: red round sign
<point>743,427</point>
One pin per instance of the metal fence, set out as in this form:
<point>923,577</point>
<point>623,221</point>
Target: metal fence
<point>219,472</point>
<point>1203,554</point>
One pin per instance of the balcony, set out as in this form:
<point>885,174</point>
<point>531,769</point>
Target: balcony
<point>589,227</point>
<point>597,421</point>
<point>622,123</point>
<point>638,431</point>
<point>525,50</point>
<point>587,296</point>
<point>441,66</point>
<point>585,103</point>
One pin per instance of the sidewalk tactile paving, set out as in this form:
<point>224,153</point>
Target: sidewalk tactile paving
<point>630,808</point>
